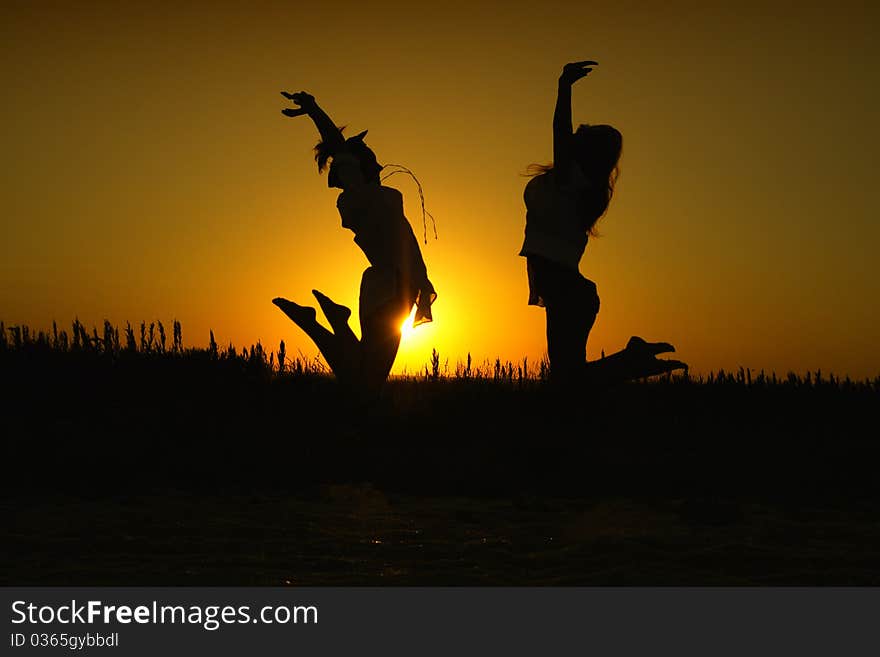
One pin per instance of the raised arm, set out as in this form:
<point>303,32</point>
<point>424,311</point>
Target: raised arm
<point>563,135</point>
<point>330,134</point>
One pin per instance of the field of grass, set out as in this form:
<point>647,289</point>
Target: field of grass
<point>132,459</point>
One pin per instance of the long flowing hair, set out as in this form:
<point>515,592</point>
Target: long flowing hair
<point>597,151</point>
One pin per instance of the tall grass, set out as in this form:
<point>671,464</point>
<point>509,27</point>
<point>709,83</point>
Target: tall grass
<point>113,408</point>
<point>149,341</point>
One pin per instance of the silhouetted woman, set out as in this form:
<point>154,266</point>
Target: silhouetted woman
<point>396,279</point>
<point>563,203</point>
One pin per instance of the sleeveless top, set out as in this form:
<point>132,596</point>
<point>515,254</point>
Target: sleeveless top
<point>554,226</point>
<point>375,214</point>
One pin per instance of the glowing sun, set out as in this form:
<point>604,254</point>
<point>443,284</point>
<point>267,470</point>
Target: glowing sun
<point>406,328</point>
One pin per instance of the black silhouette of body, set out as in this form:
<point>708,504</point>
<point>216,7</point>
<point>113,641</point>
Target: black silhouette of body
<point>396,279</point>
<point>563,203</point>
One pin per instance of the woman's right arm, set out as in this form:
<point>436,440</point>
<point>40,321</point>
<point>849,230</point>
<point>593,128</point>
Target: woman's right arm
<point>330,134</point>
<point>563,136</point>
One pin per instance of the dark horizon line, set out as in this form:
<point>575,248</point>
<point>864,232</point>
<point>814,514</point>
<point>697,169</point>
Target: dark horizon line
<point>153,340</point>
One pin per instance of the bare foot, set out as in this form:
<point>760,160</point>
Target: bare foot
<point>637,361</point>
<point>334,312</point>
<point>639,346</point>
<point>642,357</point>
<point>299,314</point>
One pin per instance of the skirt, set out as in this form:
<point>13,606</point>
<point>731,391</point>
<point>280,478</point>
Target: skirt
<point>556,285</point>
<point>382,287</point>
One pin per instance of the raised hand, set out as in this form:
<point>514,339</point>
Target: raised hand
<point>306,103</point>
<point>574,71</point>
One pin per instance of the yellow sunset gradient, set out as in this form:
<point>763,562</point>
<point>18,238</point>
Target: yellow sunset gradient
<point>149,174</point>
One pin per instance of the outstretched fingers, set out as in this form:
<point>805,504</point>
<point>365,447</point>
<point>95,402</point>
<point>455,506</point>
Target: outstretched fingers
<point>304,100</point>
<point>574,71</point>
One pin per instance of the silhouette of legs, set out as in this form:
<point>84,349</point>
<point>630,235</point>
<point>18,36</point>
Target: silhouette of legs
<point>336,314</point>
<point>568,326</point>
<point>363,364</point>
<point>572,303</point>
<point>380,341</point>
<point>340,354</point>
<point>302,316</point>
<point>384,303</point>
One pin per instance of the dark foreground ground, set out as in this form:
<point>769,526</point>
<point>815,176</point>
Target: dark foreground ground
<point>202,468</point>
<point>358,535</point>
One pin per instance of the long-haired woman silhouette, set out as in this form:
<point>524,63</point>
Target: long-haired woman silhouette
<point>564,201</point>
<point>396,279</point>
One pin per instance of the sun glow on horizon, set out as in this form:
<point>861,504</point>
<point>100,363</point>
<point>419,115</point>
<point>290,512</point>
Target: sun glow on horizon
<point>168,211</point>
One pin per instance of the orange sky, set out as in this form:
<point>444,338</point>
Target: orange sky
<point>148,172</point>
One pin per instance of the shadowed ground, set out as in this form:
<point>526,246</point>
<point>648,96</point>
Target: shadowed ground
<point>351,535</point>
<point>197,467</point>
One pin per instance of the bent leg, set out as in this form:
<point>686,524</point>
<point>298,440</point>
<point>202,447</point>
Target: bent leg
<point>337,315</point>
<point>566,349</point>
<point>571,313</point>
<point>341,355</point>
<point>380,341</point>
